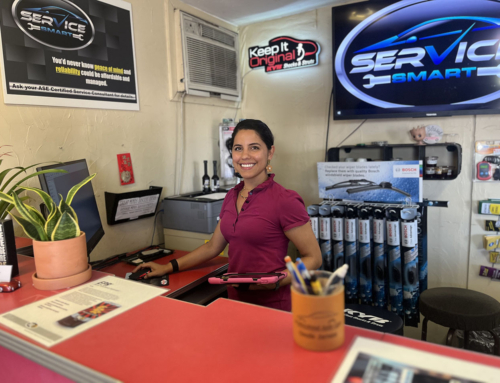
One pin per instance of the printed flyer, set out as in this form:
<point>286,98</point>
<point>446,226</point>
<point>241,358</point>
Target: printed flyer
<point>77,53</point>
<point>57,318</point>
<point>374,181</point>
<point>373,361</point>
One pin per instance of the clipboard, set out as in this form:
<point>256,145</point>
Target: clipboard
<point>237,278</point>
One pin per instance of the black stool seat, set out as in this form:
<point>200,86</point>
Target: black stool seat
<point>373,318</point>
<point>460,309</point>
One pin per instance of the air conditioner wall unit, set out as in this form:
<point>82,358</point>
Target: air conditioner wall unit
<point>206,58</point>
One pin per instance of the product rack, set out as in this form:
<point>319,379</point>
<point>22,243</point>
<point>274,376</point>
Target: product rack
<point>418,209</point>
<point>449,153</point>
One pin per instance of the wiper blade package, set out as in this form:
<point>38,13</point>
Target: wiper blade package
<point>365,256</point>
<point>379,259</point>
<point>409,256</point>
<point>395,272</point>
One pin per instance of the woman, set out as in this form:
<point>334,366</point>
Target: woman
<point>257,219</point>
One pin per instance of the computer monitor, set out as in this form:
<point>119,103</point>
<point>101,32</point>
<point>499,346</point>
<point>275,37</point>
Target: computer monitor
<point>84,202</point>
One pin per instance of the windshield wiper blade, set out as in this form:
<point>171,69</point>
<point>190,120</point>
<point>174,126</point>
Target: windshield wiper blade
<point>382,185</point>
<point>346,184</point>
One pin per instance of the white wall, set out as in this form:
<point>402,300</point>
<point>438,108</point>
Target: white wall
<point>39,134</point>
<point>295,105</point>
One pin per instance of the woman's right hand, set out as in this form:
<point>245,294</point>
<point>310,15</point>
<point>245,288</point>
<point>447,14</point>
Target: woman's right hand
<point>157,270</point>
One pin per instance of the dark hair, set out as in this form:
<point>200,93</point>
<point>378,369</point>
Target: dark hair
<point>258,127</point>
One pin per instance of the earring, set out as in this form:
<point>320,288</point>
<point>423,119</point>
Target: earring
<point>269,168</point>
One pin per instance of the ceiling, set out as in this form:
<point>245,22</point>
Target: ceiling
<point>242,12</point>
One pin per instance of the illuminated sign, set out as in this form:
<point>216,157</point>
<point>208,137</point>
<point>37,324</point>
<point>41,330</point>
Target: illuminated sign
<point>58,24</point>
<point>284,53</point>
<point>421,53</point>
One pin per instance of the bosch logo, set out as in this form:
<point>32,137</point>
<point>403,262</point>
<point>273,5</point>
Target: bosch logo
<point>409,169</point>
<point>415,42</point>
<point>58,24</point>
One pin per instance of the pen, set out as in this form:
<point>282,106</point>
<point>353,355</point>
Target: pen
<point>295,274</point>
<point>316,286</point>
<point>304,272</point>
<point>336,277</point>
<point>295,280</point>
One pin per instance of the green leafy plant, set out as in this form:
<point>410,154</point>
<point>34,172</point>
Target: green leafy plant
<point>61,223</point>
<point>6,207</point>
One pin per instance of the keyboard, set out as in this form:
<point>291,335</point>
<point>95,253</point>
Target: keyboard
<point>136,259</point>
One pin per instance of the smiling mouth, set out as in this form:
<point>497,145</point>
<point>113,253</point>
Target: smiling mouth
<point>247,166</point>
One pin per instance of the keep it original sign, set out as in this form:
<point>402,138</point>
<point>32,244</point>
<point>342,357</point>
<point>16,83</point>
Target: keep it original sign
<point>284,53</point>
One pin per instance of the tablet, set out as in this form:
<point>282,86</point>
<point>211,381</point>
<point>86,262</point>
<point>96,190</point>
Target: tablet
<point>258,278</point>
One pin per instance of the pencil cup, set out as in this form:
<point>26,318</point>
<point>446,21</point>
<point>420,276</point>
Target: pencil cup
<point>318,320</point>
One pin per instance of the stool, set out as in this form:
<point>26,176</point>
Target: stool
<point>460,309</point>
<point>373,318</point>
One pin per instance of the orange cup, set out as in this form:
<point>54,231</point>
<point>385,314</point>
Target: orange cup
<point>318,320</point>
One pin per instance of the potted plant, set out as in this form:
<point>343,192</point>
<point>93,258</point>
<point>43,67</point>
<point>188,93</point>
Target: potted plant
<point>8,253</point>
<point>59,247</point>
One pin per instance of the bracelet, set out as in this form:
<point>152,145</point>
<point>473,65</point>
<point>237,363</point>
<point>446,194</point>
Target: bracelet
<point>277,285</point>
<point>175,265</point>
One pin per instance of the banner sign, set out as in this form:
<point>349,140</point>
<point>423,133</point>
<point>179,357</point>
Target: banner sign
<point>419,56</point>
<point>77,53</point>
<point>284,53</point>
<point>375,181</point>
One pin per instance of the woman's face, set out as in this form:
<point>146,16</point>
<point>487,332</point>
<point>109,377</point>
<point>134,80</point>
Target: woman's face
<point>250,154</point>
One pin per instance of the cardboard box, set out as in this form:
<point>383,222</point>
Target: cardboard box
<point>491,242</point>
<point>490,206</point>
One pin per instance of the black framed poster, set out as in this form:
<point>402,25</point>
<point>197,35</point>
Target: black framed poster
<point>77,53</point>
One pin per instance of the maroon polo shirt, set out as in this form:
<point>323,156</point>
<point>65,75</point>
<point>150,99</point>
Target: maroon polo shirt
<point>256,236</point>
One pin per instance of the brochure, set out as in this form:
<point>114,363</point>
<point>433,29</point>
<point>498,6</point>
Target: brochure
<point>57,318</point>
<point>373,361</point>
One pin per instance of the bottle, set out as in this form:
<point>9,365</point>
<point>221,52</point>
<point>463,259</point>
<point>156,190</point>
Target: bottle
<point>215,180</point>
<point>206,179</point>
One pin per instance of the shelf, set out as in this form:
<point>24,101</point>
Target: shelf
<point>449,154</point>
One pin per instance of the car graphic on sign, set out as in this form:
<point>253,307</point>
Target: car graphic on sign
<point>56,11</point>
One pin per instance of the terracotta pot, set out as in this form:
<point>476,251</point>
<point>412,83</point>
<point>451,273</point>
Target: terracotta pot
<point>60,259</point>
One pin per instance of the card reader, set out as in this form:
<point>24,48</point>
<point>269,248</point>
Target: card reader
<point>146,256</point>
<point>151,252</point>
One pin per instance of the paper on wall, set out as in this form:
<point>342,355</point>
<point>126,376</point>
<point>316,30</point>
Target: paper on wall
<point>133,208</point>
